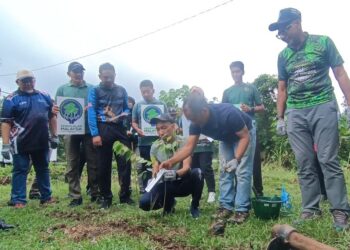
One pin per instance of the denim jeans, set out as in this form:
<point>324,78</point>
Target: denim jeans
<point>235,187</point>
<point>21,164</point>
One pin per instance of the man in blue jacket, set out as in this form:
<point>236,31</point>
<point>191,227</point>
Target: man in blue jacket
<point>108,106</point>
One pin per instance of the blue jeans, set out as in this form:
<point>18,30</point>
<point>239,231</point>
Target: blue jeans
<point>235,187</point>
<point>21,164</point>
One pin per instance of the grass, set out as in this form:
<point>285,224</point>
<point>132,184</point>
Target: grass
<point>127,227</point>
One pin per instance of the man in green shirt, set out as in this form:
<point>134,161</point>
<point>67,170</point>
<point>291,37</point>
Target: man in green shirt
<point>247,98</point>
<point>305,89</point>
<point>78,88</point>
<point>145,141</point>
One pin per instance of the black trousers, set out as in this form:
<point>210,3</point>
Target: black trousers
<point>163,194</point>
<point>257,176</point>
<point>203,161</point>
<point>143,174</point>
<point>111,133</point>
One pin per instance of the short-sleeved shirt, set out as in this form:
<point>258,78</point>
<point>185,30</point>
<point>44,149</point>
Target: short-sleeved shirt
<point>81,91</point>
<point>306,71</point>
<point>105,105</point>
<point>242,93</point>
<point>28,114</point>
<point>224,122</point>
<point>161,153</point>
<point>136,116</point>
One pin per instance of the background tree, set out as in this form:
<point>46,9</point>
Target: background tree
<point>174,97</point>
<point>274,148</point>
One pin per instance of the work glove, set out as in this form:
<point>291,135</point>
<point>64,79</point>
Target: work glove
<point>231,165</point>
<point>281,127</point>
<point>53,141</point>
<point>6,151</point>
<point>169,175</point>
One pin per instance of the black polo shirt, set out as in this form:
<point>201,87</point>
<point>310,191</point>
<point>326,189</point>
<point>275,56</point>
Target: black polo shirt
<point>224,122</point>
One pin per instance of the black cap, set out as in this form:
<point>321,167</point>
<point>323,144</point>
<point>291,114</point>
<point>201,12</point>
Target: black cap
<point>285,17</point>
<point>165,117</point>
<point>75,66</point>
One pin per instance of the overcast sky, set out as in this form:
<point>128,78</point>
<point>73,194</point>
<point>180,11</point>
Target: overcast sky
<point>197,52</point>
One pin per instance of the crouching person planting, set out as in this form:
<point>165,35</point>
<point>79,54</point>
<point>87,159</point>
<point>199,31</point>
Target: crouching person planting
<point>177,181</point>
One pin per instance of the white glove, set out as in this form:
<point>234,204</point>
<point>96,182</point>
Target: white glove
<point>281,127</point>
<point>6,151</point>
<point>231,165</point>
<point>169,175</point>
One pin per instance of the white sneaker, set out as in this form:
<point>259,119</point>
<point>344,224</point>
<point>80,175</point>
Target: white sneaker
<point>211,197</point>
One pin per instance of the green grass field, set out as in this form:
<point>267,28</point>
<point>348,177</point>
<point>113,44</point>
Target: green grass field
<point>127,227</point>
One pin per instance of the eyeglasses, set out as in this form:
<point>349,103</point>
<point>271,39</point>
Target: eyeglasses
<point>283,30</point>
<point>27,80</point>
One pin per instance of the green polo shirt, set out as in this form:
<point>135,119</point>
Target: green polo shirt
<point>242,93</point>
<point>81,91</point>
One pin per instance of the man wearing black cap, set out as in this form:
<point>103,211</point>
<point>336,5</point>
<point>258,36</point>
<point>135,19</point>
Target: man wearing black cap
<point>305,95</point>
<point>179,180</point>
<point>78,88</point>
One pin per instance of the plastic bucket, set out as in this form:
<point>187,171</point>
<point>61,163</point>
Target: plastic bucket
<point>267,207</point>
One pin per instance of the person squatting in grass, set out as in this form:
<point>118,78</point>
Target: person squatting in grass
<point>233,128</point>
<point>306,97</point>
<point>26,119</point>
<point>144,141</point>
<point>108,106</point>
<point>179,180</point>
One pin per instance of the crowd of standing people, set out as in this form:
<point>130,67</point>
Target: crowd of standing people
<point>306,112</point>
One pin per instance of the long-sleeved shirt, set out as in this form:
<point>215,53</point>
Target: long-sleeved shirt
<point>105,105</point>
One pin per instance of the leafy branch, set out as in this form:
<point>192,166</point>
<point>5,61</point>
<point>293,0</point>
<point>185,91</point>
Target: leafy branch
<point>121,150</point>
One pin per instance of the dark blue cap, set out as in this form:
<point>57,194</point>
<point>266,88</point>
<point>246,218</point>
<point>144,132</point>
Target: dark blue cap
<point>75,67</point>
<point>285,17</point>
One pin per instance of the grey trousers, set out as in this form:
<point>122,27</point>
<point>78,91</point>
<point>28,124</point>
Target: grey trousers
<point>72,146</point>
<point>314,131</point>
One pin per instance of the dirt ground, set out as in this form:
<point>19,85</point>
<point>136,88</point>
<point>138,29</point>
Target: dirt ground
<point>86,229</point>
